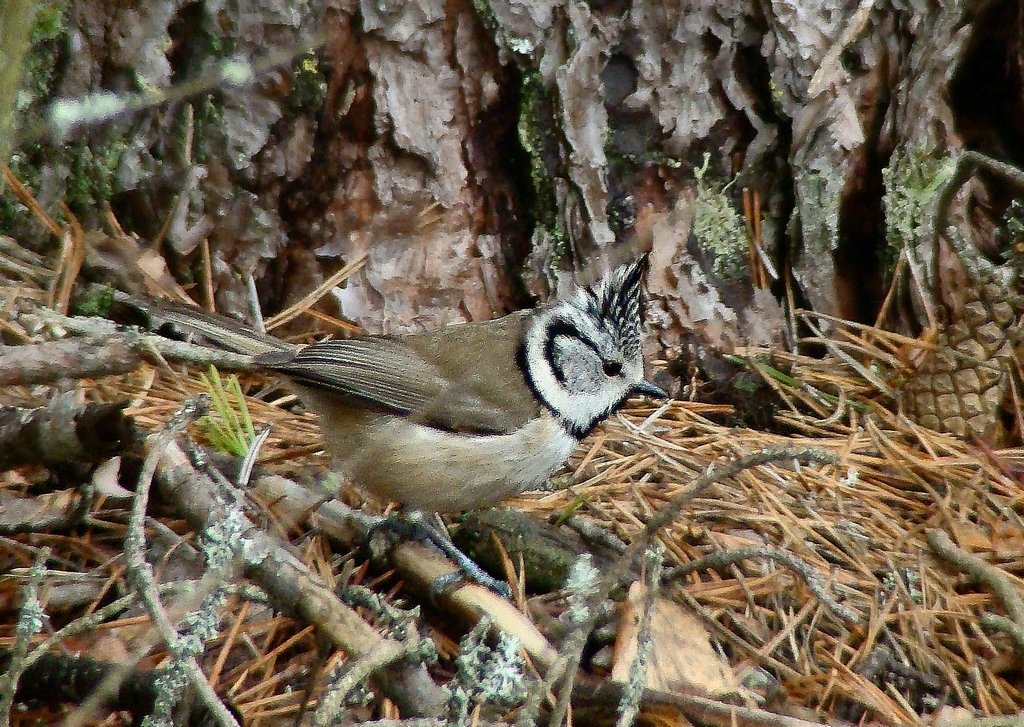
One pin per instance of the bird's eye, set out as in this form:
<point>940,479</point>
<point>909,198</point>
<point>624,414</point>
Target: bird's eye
<point>612,368</point>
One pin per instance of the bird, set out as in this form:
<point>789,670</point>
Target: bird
<point>467,415</point>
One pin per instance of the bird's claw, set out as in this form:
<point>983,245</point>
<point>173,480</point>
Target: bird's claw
<point>443,585</point>
<point>416,529</point>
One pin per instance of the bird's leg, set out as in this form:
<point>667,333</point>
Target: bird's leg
<point>412,526</point>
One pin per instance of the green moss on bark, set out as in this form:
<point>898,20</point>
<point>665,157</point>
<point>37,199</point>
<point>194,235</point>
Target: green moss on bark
<point>93,168</point>
<point>719,227</point>
<point>541,146</point>
<point>912,182</point>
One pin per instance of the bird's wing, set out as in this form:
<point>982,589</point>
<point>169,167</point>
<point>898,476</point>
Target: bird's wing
<point>379,370</point>
<point>461,378</point>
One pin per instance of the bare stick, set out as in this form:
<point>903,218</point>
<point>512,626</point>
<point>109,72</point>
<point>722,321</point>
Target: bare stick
<point>151,346</point>
<point>983,572</point>
<point>291,585</point>
<point>30,620</point>
<point>142,574</point>
<point>97,617</point>
<point>62,431</point>
<point>75,358</point>
<point>419,565</point>
<point>967,164</point>
<point>1010,720</point>
<point>699,710</point>
<point>591,532</point>
<point>629,707</point>
<point>47,513</point>
<point>1007,626</point>
<point>567,666</point>
<point>386,653</point>
<point>56,678</point>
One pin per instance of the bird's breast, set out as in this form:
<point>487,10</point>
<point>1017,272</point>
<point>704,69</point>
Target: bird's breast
<point>434,470</point>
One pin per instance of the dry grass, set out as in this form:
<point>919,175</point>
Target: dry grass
<point>861,524</point>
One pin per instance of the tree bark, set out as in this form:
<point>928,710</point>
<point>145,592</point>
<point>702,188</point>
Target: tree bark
<point>481,153</point>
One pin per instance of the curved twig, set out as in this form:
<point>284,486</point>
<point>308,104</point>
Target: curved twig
<point>989,575</point>
<point>724,559</point>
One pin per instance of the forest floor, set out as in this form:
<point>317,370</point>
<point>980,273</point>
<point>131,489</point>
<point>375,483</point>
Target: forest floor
<point>846,565</point>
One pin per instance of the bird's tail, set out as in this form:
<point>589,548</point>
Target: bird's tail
<point>221,331</point>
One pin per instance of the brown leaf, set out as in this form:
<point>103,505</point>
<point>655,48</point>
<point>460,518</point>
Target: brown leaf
<point>681,657</point>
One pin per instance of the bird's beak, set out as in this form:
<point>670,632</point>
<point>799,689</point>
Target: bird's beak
<point>648,389</point>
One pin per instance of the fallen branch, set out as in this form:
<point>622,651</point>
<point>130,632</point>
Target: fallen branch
<point>629,706</point>
<point>1008,626</point>
<point>140,346</point>
<point>292,587</point>
<point>568,663</point>
<point>30,621</point>
<point>356,672</point>
<point>546,550</point>
<point>608,694</point>
<point>1010,720</point>
<point>53,679</point>
<point>967,164</point>
<point>90,621</point>
<point>62,431</point>
<point>417,564</point>
<point>47,513</point>
<point>71,358</point>
<point>142,574</point>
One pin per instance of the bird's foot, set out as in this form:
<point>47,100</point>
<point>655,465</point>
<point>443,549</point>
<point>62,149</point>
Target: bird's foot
<point>415,528</point>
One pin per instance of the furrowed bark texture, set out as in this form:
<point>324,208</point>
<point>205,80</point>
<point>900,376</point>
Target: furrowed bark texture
<point>481,151</point>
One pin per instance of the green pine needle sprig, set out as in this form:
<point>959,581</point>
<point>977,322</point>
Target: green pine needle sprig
<point>228,427</point>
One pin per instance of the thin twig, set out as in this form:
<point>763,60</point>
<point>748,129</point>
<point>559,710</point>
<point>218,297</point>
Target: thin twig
<point>315,295</point>
<point>629,707</point>
<point>1008,626</point>
<point>724,559</point>
<point>591,532</point>
<point>290,584</point>
<point>585,584</point>
<point>255,312</point>
<point>73,358</point>
<point>983,572</point>
<point>141,573</point>
<point>699,710</point>
<point>989,575</point>
<point>64,430</point>
<point>146,344</point>
<point>97,617</point>
<point>968,163</point>
<point>565,668</point>
<point>30,621</point>
<point>384,654</point>
<point>850,360</point>
<point>1010,720</point>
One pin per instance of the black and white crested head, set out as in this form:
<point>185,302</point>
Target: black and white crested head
<point>583,355</point>
<point>617,298</point>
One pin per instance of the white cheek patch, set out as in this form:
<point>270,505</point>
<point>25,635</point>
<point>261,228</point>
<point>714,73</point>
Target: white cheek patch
<point>579,411</point>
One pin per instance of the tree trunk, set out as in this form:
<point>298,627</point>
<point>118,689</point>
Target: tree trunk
<point>481,153</point>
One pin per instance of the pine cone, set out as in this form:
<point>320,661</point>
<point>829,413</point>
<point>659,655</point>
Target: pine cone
<point>961,387</point>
